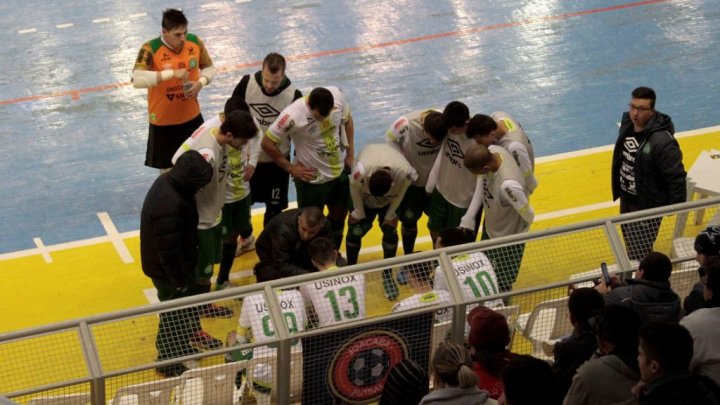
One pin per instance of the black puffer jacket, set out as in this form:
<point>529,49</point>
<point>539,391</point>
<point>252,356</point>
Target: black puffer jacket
<point>169,220</point>
<point>281,251</point>
<point>659,171</point>
<point>681,388</point>
<point>653,300</point>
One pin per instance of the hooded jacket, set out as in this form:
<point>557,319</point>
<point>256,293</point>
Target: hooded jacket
<point>653,300</point>
<point>681,388</point>
<point>660,177</point>
<point>281,251</point>
<point>457,396</point>
<point>169,220</point>
<point>605,380</point>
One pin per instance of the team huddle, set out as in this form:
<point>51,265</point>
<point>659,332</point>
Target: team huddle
<point>446,164</point>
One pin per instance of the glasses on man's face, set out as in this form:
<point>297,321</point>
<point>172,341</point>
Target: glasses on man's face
<point>639,108</point>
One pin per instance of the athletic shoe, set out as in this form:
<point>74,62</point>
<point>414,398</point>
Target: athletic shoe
<point>215,311</point>
<point>391,289</point>
<point>172,370</point>
<point>203,340</point>
<point>224,285</point>
<point>402,276</point>
<point>245,245</point>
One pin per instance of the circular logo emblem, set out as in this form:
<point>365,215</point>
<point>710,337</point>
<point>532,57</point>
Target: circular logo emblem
<point>193,63</point>
<point>358,371</point>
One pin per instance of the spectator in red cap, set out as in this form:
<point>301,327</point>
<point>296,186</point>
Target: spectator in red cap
<point>488,338</point>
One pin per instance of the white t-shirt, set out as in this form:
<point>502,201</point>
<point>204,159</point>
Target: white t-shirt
<point>256,316</point>
<point>317,144</point>
<point>407,135</point>
<point>476,277</point>
<point>337,300</point>
<point>431,298</point>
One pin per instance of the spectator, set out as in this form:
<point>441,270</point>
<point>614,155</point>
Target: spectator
<point>174,68</point>
<point>703,325</point>
<point>407,383</point>
<point>664,356</point>
<point>168,252</point>
<point>529,381</point>
<point>606,379</point>
<point>649,293</point>
<point>571,352</point>
<point>647,169</point>
<point>454,379</point>
<point>282,246</point>
<point>707,246</point>
<point>488,338</point>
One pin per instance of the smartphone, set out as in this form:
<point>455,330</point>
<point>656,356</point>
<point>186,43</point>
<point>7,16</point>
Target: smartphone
<point>605,273</point>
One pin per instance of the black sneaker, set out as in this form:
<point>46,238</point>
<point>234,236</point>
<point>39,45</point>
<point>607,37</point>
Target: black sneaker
<point>172,370</point>
<point>202,340</point>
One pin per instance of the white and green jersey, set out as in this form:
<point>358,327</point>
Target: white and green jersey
<point>265,109</point>
<point>505,198</point>
<point>454,181</point>
<point>238,160</point>
<point>518,144</point>
<point>431,298</point>
<point>476,277</point>
<point>337,300</point>
<point>371,159</point>
<point>317,144</point>
<point>255,316</point>
<point>407,135</point>
<point>211,198</point>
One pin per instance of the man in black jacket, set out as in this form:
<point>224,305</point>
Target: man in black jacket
<point>647,169</point>
<point>168,251</point>
<point>282,245</point>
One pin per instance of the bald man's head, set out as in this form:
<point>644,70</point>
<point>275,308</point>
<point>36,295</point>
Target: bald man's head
<point>478,159</point>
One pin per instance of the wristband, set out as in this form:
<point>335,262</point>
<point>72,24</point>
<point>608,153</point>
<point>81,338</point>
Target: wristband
<point>204,81</point>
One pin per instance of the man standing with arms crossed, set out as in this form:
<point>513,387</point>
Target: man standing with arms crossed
<point>268,92</point>
<point>321,127</point>
<point>174,68</point>
<point>647,169</point>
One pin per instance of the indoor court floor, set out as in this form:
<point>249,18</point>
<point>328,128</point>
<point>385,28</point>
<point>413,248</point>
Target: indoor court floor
<point>74,130</point>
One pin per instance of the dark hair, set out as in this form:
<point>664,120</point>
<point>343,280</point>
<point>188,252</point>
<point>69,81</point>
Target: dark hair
<point>453,237</point>
<point>274,62</point>
<point>240,124</point>
<point>525,379</point>
<point>322,250</point>
<point>173,18</point>
<point>645,93</point>
<point>434,124</point>
<point>656,267</point>
<point>583,304</point>
<point>618,325</point>
<point>456,114</point>
<point>668,343</point>
<point>406,384</point>
<point>452,364</point>
<point>421,271</point>
<point>235,103</point>
<point>321,100</point>
<point>380,182</point>
<point>313,216</point>
<point>712,282</point>
<point>480,125</point>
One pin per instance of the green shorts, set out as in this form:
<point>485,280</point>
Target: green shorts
<point>443,214</point>
<point>236,217</point>
<point>209,248</point>
<point>414,203</point>
<point>334,193</point>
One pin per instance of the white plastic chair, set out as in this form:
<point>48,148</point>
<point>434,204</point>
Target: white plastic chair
<point>158,392</point>
<point>69,399</point>
<point>210,385</point>
<point>296,372</point>
<point>548,322</point>
<point>511,313</point>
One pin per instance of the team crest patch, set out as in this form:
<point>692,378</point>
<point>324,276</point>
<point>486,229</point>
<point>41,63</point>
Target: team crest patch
<point>358,370</point>
<point>646,149</point>
<point>193,63</point>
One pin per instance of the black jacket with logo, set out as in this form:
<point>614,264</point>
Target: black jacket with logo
<point>659,171</point>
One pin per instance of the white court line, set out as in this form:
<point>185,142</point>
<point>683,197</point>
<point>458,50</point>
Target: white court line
<point>67,25</point>
<point>43,250</point>
<point>211,5</point>
<point>540,217</point>
<point>242,1</point>
<point>151,293</point>
<point>115,237</point>
<point>101,20</point>
<point>137,15</point>
<point>27,31</point>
